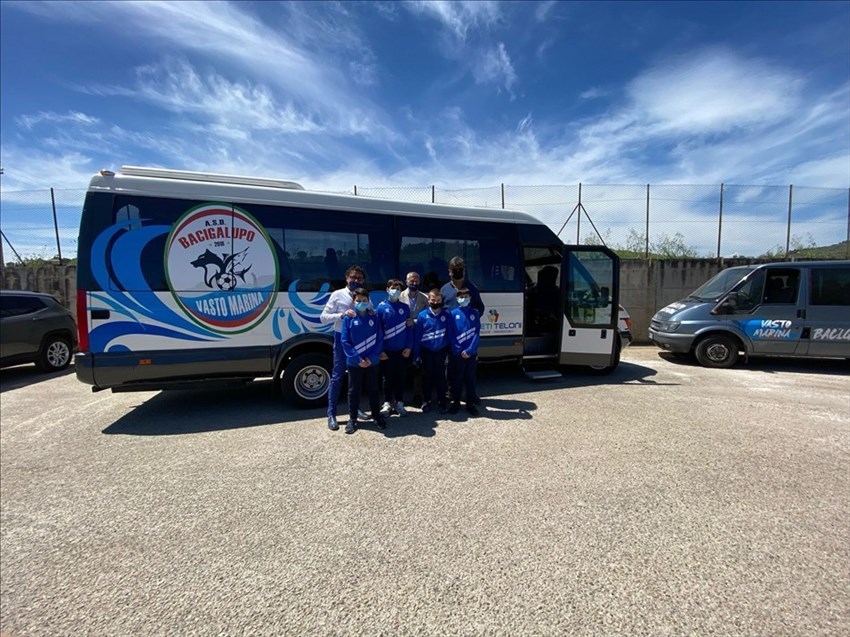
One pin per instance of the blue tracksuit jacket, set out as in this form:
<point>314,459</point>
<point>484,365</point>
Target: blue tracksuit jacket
<point>430,331</point>
<point>393,318</point>
<point>464,330</point>
<point>362,337</point>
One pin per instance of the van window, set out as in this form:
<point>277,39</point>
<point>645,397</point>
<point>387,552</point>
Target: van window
<point>830,286</point>
<point>781,286</point>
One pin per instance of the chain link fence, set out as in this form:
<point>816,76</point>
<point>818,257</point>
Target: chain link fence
<point>668,220</point>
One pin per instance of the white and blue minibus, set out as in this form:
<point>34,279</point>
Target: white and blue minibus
<point>186,278</point>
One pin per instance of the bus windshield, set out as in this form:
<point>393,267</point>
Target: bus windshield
<point>720,284</point>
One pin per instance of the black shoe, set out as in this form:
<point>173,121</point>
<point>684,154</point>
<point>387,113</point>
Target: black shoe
<point>455,407</point>
<point>333,425</point>
<point>426,407</point>
<point>382,424</point>
<point>472,409</point>
<point>351,427</point>
<point>476,400</point>
<point>442,409</point>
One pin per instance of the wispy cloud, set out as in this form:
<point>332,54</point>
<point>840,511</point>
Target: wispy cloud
<point>459,18</point>
<point>72,117</point>
<point>495,68</point>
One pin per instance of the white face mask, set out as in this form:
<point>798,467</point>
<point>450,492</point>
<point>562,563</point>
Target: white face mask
<point>394,294</point>
<point>463,301</point>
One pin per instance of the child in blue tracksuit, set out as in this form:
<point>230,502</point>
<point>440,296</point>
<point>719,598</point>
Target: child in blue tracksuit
<point>430,344</point>
<point>362,341</point>
<point>464,330</point>
<point>398,342</point>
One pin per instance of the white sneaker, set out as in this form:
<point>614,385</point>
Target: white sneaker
<point>399,409</point>
<point>362,415</point>
<point>386,410</point>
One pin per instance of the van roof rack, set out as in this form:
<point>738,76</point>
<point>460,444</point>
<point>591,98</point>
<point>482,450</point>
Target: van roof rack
<point>188,175</point>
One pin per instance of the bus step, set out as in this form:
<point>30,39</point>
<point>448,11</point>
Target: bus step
<point>541,374</point>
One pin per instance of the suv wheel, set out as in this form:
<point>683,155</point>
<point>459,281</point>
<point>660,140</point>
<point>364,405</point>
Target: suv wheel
<point>55,354</point>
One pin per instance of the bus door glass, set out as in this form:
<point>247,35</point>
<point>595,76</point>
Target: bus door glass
<point>590,281</point>
<point>543,300</point>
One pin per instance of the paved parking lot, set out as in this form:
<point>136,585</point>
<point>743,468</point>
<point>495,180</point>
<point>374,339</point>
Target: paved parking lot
<point>666,499</point>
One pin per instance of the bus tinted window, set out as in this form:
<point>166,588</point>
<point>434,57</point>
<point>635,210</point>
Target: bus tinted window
<point>317,246</point>
<point>490,251</point>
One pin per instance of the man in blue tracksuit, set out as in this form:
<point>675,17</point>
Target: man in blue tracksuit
<point>398,342</point>
<point>362,341</point>
<point>431,345</point>
<point>464,330</point>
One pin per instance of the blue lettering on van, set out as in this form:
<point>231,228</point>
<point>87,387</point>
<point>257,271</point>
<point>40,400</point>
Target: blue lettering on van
<point>770,329</point>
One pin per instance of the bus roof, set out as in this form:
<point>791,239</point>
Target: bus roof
<point>159,182</point>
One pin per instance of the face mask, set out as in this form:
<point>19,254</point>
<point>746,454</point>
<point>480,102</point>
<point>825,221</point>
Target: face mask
<point>457,274</point>
<point>393,294</point>
<point>435,306</point>
<point>361,306</point>
<point>463,301</point>
<point>353,285</point>
<point>413,288</point>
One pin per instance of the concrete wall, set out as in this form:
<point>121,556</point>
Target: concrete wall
<point>645,286</point>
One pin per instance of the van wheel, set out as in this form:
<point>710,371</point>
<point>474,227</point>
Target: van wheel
<point>717,351</point>
<point>54,355</point>
<point>604,370</point>
<point>306,380</point>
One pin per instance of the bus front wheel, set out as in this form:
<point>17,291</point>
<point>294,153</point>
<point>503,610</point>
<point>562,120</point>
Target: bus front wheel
<point>306,379</point>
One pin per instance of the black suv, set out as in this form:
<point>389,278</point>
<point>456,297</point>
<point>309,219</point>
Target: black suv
<point>35,328</point>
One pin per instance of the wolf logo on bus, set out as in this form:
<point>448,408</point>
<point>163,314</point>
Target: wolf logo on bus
<point>221,270</point>
<point>217,239</point>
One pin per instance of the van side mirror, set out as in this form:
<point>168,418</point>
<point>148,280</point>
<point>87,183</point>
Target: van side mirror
<point>726,306</point>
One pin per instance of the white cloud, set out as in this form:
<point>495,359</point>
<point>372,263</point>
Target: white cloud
<point>71,117</point>
<point>495,68</point>
<point>459,18</point>
<point>714,91</point>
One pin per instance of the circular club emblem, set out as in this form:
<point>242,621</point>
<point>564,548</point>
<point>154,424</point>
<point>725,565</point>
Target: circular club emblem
<point>443,319</point>
<point>401,310</point>
<point>221,268</point>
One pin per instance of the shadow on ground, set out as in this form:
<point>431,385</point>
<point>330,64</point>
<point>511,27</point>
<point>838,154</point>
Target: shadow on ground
<point>25,375</point>
<point>775,364</point>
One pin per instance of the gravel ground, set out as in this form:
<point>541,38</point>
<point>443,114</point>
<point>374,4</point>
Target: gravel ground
<point>665,499</point>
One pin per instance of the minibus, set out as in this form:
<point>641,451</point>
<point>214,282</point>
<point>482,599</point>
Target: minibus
<point>188,278</point>
<point>771,309</point>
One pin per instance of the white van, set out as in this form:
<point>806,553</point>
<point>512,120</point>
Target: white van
<point>778,309</point>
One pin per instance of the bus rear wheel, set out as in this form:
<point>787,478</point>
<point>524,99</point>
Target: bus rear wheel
<point>306,380</point>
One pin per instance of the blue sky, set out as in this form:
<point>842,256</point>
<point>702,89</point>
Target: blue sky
<point>417,93</point>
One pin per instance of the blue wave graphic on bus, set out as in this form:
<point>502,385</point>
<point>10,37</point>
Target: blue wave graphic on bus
<point>101,337</point>
<point>304,316</point>
<point>120,278</point>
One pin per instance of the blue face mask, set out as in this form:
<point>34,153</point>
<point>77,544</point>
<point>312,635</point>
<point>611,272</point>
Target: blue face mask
<point>353,285</point>
<point>463,301</point>
<point>361,306</point>
<point>394,294</point>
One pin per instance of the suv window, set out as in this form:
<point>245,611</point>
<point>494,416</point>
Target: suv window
<point>11,305</point>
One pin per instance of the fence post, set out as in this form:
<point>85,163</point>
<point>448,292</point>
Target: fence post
<point>720,221</point>
<point>578,218</point>
<point>56,226</point>
<point>788,230</point>
<point>646,232</point>
<point>355,190</point>
<point>848,223</point>
<point>433,194</point>
<point>503,196</point>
